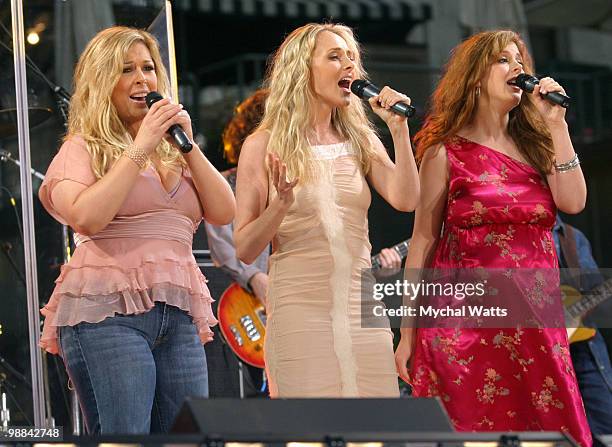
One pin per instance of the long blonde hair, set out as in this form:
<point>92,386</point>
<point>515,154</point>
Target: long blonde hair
<point>92,113</point>
<point>291,103</point>
<point>453,103</point>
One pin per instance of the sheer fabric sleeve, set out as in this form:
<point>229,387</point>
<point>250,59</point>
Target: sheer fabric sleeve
<point>72,163</point>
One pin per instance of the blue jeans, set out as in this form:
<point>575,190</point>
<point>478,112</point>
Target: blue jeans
<point>594,374</point>
<point>133,372</point>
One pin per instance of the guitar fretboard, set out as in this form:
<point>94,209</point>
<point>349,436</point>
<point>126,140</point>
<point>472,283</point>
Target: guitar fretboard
<point>591,300</point>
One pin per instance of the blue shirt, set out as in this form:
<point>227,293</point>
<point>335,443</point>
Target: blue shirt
<point>590,275</point>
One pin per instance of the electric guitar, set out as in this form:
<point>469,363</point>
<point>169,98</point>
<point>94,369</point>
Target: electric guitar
<point>577,306</point>
<point>242,317</point>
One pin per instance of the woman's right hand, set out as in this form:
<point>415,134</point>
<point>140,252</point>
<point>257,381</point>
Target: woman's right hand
<point>403,352</point>
<point>381,105</point>
<point>284,188</point>
<point>156,123</point>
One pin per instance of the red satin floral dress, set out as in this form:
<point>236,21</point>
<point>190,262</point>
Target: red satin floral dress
<point>499,215</point>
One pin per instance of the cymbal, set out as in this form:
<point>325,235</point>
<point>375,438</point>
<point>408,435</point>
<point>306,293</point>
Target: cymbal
<point>8,119</point>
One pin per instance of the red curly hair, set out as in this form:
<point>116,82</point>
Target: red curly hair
<point>247,116</point>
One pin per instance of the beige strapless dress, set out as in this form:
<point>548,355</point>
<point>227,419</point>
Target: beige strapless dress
<point>315,344</point>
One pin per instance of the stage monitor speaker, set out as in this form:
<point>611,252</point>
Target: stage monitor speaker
<point>281,420</point>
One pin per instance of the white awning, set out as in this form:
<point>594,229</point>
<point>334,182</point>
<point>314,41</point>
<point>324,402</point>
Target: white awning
<point>396,10</point>
<point>562,13</point>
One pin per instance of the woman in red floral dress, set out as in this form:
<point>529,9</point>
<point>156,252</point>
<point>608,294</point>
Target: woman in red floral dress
<point>496,164</point>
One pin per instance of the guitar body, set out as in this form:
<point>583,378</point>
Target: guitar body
<point>580,334</point>
<point>242,321</point>
<point>575,331</point>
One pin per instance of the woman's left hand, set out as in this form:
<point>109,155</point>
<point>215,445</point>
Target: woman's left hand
<point>185,122</point>
<point>550,113</point>
<point>382,103</point>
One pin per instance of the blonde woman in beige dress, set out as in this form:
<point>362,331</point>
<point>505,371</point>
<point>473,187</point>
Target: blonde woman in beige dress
<point>303,184</point>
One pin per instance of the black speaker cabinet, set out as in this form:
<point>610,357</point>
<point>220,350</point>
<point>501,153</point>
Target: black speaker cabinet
<point>279,420</point>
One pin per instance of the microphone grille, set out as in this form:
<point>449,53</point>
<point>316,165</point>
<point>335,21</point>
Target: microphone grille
<point>523,79</point>
<point>357,86</point>
<point>152,97</point>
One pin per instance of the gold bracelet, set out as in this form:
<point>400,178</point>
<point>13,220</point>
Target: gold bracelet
<point>137,155</point>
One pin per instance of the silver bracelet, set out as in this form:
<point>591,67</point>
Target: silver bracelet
<point>568,166</point>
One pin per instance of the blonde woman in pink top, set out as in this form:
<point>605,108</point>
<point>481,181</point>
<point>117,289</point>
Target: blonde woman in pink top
<point>131,310</point>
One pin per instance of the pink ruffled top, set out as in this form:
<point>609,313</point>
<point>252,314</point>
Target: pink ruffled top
<point>144,255</point>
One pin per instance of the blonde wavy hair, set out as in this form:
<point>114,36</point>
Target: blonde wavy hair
<point>92,113</point>
<point>291,100</point>
<point>454,101</point>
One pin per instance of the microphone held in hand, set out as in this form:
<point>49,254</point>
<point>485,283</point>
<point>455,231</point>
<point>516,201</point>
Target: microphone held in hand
<point>178,134</point>
<point>528,82</point>
<point>366,90</point>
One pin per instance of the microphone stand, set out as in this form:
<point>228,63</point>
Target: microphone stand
<point>62,98</point>
<point>6,248</point>
<point>7,156</point>
<point>12,371</point>
<point>5,386</point>
<point>5,414</point>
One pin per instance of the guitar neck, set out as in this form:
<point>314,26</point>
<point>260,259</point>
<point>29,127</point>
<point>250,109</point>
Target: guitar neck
<point>401,249</point>
<point>594,298</point>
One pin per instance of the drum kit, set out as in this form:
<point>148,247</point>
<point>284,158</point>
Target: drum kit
<point>8,119</point>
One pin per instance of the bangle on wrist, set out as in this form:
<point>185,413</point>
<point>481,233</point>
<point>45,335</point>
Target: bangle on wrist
<point>569,165</point>
<point>137,155</point>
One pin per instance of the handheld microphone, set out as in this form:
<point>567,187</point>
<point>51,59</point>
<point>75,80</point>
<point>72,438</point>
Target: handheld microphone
<point>366,90</point>
<point>528,82</point>
<point>180,137</point>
